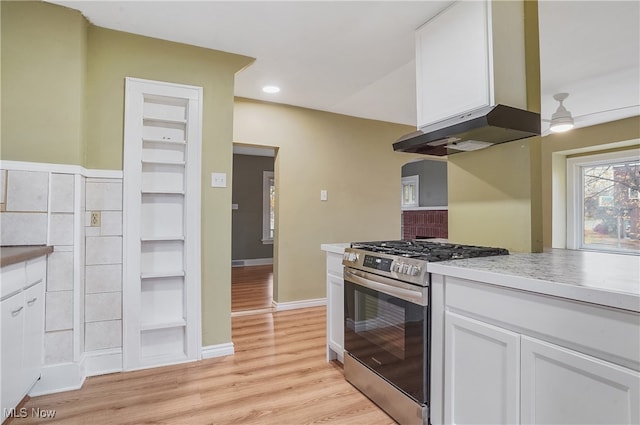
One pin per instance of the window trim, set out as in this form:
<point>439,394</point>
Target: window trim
<point>407,180</point>
<point>267,176</point>
<point>575,184</point>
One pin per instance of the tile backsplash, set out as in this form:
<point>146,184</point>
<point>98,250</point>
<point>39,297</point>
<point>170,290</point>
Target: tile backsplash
<point>425,223</point>
<point>47,207</point>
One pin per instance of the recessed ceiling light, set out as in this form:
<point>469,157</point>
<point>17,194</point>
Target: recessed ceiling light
<point>271,89</point>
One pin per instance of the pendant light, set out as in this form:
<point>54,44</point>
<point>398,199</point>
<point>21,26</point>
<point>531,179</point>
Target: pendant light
<point>561,120</point>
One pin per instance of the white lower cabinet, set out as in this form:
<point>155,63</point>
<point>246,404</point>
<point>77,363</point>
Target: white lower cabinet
<point>561,386</point>
<point>12,340</point>
<point>512,357</point>
<point>335,326</point>
<point>33,332</point>
<point>22,331</point>
<point>335,307</point>
<point>482,373</point>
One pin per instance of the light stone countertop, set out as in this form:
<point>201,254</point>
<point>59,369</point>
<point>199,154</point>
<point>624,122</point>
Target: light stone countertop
<point>607,279</point>
<point>336,248</point>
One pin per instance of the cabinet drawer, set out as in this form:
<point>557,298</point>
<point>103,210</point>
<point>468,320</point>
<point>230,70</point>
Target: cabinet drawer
<point>602,332</point>
<point>36,270</point>
<point>13,279</point>
<point>334,263</point>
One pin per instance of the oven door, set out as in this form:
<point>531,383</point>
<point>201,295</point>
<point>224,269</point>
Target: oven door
<point>387,329</point>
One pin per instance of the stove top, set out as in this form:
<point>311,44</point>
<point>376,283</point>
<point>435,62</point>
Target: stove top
<point>426,250</point>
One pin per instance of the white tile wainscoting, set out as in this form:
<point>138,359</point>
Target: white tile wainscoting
<point>51,204</point>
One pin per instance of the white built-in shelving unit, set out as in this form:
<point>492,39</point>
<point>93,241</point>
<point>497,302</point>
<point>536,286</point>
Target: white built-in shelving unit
<point>161,321</point>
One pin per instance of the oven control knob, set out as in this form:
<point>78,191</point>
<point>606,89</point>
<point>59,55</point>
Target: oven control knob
<point>415,271</point>
<point>350,256</point>
<point>405,268</point>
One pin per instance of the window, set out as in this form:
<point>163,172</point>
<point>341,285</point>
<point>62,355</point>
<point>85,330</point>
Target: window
<point>603,210</point>
<point>410,193</point>
<point>268,207</point>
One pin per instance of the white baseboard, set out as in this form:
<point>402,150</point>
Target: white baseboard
<point>252,262</point>
<point>103,362</point>
<point>58,378</point>
<point>292,305</point>
<point>218,350</point>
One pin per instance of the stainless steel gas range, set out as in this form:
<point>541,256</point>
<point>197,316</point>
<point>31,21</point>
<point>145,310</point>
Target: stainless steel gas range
<point>387,320</point>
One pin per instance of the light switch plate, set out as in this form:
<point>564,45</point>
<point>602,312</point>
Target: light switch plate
<point>323,195</point>
<point>218,179</point>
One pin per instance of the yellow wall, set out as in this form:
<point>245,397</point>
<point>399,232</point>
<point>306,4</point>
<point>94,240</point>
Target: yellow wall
<point>351,158</point>
<point>494,194</point>
<point>43,73</point>
<point>114,55</point>
<point>63,103</point>
<point>555,149</point>
<point>490,195</point>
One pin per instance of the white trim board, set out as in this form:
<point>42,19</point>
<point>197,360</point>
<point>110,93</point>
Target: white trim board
<point>60,169</point>
<point>218,350</point>
<point>59,378</point>
<point>252,262</point>
<point>292,305</point>
<point>103,362</point>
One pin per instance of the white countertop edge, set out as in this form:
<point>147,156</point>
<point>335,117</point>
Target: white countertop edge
<point>622,300</point>
<point>336,248</point>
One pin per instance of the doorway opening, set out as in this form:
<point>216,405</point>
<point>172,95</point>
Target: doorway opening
<point>424,200</point>
<point>253,229</point>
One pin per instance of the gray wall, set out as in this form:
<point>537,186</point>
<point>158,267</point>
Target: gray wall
<point>247,219</point>
<point>433,181</point>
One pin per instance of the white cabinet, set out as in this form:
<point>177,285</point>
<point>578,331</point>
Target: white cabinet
<point>335,307</point>
<point>22,313</point>
<point>469,56</point>
<point>12,341</point>
<point>516,357</point>
<point>33,331</point>
<point>481,378</point>
<point>562,386</point>
<point>161,320</point>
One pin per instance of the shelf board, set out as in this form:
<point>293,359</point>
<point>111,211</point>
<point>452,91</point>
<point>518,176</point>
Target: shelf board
<point>160,275</point>
<point>168,141</point>
<point>154,162</point>
<point>162,192</point>
<point>162,239</point>
<point>162,325</point>
<point>165,120</point>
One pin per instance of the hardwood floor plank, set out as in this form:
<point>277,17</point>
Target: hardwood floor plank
<point>251,288</point>
<point>278,375</point>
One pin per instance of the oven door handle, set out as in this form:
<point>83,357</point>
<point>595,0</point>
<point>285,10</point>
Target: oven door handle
<point>388,286</point>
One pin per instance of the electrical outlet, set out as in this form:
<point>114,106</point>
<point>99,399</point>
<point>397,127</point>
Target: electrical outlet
<point>95,218</point>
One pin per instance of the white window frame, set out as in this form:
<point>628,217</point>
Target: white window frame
<point>267,176</point>
<point>575,185</point>
<point>415,181</point>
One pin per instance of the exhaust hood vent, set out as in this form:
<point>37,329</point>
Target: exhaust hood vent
<point>471,131</point>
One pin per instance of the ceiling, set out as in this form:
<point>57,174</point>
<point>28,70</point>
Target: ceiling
<point>357,57</point>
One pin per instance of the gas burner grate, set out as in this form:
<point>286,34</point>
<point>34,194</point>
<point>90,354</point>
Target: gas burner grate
<point>428,250</point>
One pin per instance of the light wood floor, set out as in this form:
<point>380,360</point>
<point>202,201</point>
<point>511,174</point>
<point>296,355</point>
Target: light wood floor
<point>278,375</point>
<point>251,288</point>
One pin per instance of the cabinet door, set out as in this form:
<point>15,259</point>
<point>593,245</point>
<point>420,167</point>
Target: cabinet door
<point>560,386</point>
<point>335,314</point>
<point>33,331</point>
<point>452,60</point>
<point>13,376</point>
<point>481,372</point>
